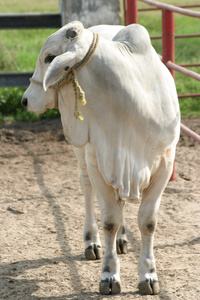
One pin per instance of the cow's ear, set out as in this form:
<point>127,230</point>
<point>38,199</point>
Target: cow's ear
<point>58,68</point>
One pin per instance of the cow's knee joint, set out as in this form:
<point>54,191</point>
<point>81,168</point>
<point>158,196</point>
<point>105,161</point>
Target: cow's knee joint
<point>148,228</point>
<point>110,227</point>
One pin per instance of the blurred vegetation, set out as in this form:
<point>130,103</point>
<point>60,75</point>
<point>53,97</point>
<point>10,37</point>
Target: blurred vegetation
<point>19,50</point>
<point>11,109</point>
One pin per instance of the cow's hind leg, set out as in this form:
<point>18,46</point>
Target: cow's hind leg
<point>111,218</point>
<point>147,220</point>
<point>121,237</point>
<point>91,238</point>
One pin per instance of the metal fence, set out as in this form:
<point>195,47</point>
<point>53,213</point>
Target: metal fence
<point>37,20</point>
<point>25,21</point>
<point>168,40</point>
<point>68,12</point>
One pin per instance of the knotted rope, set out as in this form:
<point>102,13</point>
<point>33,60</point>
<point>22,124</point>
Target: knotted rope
<point>71,77</point>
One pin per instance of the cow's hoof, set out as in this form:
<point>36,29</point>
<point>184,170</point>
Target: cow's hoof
<point>149,287</point>
<point>93,252</point>
<point>110,286</point>
<point>122,246</point>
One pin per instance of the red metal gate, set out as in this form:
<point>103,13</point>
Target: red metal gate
<point>168,40</point>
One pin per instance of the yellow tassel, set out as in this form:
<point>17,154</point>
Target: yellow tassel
<point>79,95</point>
<point>82,98</point>
<point>78,116</point>
<point>71,76</point>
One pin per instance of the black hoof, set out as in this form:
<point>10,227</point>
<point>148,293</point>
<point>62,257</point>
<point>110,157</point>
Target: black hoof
<point>110,286</point>
<point>122,246</point>
<point>93,252</point>
<point>149,287</point>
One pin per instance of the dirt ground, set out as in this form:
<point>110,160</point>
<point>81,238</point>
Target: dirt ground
<point>42,215</point>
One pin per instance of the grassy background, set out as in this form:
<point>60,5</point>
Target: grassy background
<point>186,50</point>
<point>19,50</point>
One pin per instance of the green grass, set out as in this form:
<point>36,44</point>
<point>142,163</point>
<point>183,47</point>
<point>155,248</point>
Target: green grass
<point>20,56</point>
<point>23,6</point>
<point>11,109</point>
<point>186,51</point>
<point>19,50</point>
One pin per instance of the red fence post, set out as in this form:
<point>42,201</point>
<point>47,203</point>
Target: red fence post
<point>130,11</point>
<point>168,38</point>
<point>168,48</point>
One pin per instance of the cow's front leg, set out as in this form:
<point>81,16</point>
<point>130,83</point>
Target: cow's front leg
<point>147,220</point>
<point>91,238</point>
<point>147,268</point>
<point>111,218</point>
<point>111,215</point>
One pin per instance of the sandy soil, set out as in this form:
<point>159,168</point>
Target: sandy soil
<point>42,214</point>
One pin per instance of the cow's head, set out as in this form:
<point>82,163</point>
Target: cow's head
<point>63,49</point>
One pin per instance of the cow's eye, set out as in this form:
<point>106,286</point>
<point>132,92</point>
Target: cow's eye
<point>49,59</point>
<point>71,33</point>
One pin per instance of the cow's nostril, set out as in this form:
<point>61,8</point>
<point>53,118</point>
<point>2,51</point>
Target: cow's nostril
<point>24,102</point>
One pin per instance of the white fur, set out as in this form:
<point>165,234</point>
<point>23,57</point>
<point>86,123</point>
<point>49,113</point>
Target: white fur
<point>126,144</point>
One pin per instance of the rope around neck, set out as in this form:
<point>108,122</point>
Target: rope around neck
<point>71,77</point>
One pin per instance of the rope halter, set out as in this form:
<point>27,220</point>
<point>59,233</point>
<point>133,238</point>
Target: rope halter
<point>71,77</point>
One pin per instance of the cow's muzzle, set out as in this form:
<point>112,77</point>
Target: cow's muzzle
<point>24,102</point>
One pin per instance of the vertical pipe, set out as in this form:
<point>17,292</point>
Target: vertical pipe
<point>125,11</point>
<point>130,11</point>
<point>168,48</point>
<point>168,38</point>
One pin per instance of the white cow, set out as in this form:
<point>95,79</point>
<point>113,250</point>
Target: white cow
<point>126,143</point>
